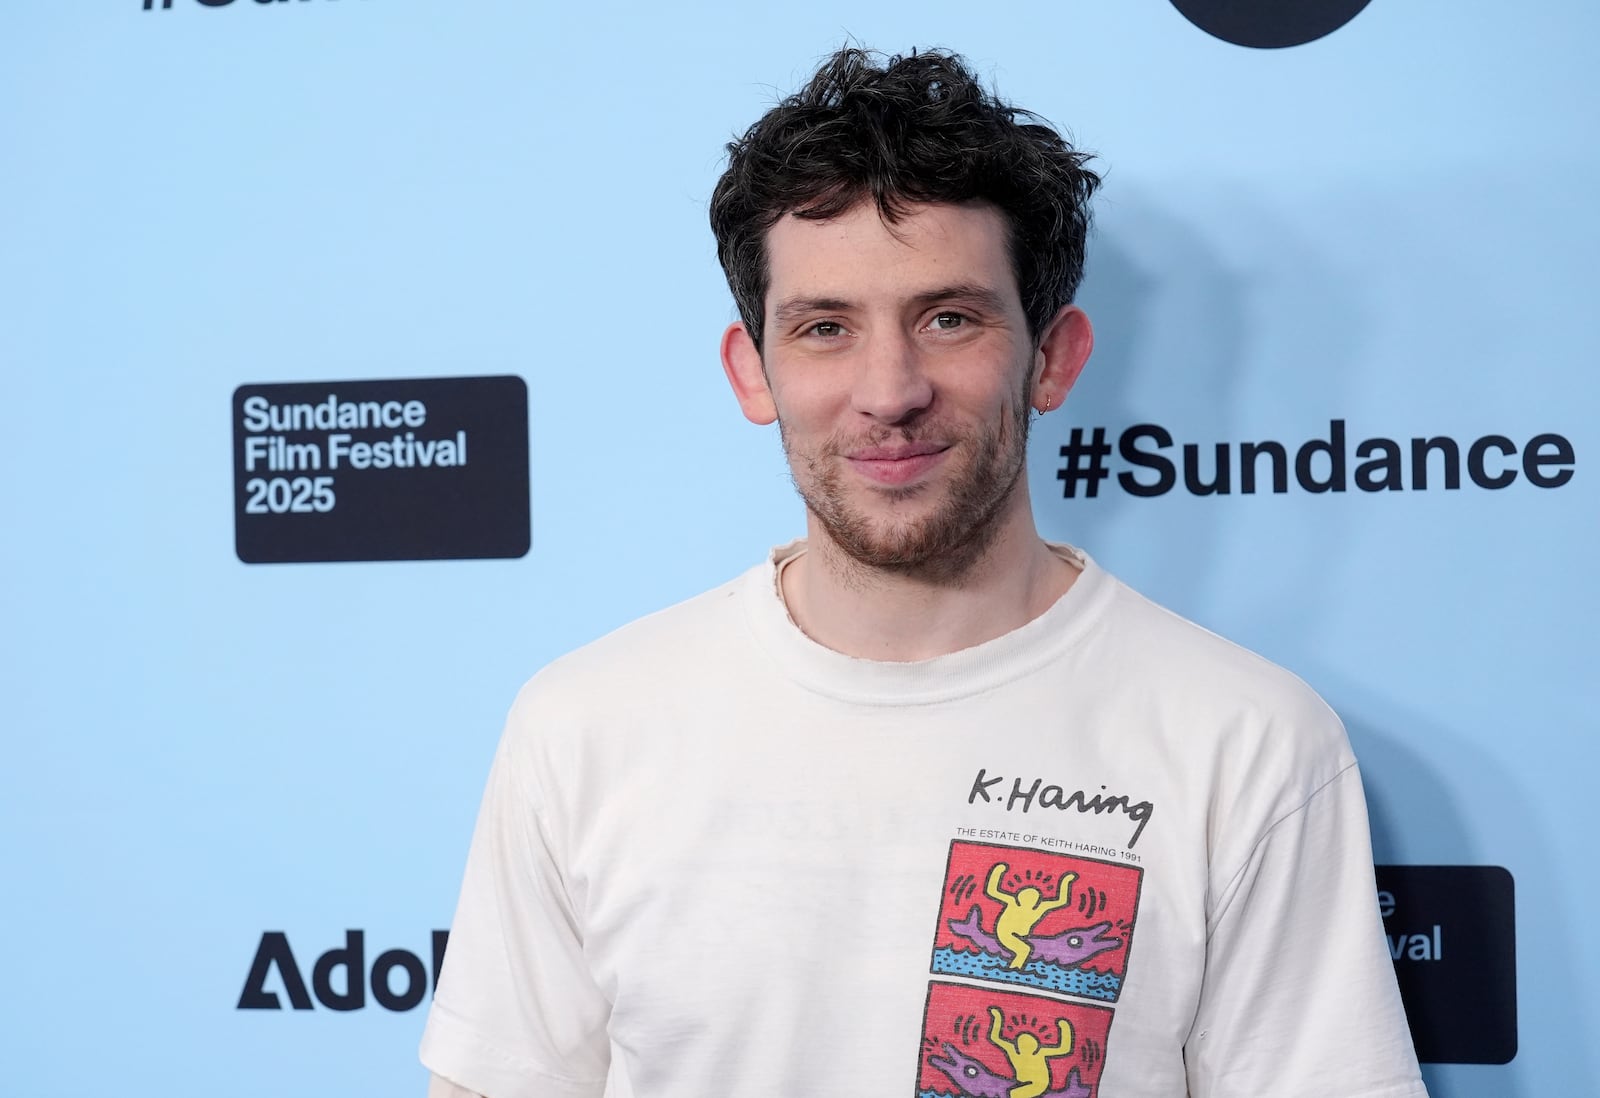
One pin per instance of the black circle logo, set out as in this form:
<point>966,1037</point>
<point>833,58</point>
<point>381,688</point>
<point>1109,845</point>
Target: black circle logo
<point>1269,24</point>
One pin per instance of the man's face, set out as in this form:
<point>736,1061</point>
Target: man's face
<point>900,366</point>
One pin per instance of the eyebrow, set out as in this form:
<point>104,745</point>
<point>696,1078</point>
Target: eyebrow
<point>794,308</point>
<point>981,297</point>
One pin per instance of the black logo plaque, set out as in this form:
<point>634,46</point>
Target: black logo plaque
<point>1269,24</point>
<point>408,469</point>
<point>1451,931</point>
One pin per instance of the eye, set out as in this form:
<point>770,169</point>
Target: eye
<point>827,329</point>
<point>948,322</point>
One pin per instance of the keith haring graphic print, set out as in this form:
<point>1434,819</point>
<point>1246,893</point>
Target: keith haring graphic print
<point>1014,915</point>
<point>980,1042</point>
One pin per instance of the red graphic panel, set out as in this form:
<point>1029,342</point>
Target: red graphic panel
<point>1030,918</point>
<point>982,1042</point>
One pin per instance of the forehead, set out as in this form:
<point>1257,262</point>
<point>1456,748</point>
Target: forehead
<point>857,256</point>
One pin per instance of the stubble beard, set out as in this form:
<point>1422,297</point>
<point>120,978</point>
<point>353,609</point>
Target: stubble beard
<point>943,546</point>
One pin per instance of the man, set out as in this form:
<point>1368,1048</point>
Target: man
<point>769,841</point>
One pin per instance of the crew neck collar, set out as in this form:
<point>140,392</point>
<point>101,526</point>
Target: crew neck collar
<point>943,678</point>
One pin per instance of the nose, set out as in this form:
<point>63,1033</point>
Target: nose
<point>891,384</point>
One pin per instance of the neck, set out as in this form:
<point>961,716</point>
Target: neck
<point>910,615</point>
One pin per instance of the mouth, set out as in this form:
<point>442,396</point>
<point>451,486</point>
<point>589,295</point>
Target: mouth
<point>896,464</point>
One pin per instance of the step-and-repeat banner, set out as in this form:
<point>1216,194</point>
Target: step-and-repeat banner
<point>360,358</point>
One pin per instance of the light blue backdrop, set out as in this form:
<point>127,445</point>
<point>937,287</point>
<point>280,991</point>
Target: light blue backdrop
<point>1394,226</point>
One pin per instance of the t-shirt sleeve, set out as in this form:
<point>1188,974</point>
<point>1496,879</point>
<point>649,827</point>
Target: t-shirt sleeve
<point>517,1013</point>
<point>1299,996</point>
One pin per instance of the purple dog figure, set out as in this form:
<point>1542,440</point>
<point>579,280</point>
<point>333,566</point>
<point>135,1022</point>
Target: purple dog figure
<point>977,1081</point>
<point>1069,949</point>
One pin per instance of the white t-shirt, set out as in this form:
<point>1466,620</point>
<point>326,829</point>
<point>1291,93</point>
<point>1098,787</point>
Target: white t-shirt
<point>1107,855</point>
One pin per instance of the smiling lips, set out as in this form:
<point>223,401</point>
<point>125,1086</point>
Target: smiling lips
<point>896,465</point>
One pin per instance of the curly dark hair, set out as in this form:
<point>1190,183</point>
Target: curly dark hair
<point>919,128</point>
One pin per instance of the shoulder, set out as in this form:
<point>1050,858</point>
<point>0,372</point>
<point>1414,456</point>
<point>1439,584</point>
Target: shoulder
<point>1179,657</point>
<point>1247,742</point>
<point>1227,700</point>
<point>584,707</point>
<point>665,647</point>
<point>597,729</point>
<point>1192,656</point>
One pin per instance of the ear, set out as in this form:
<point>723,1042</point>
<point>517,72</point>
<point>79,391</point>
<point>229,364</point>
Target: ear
<point>1063,350</point>
<point>741,361</point>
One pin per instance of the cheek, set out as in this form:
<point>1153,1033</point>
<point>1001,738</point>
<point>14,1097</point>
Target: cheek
<point>799,427</point>
<point>809,407</point>
<point>995,398</point>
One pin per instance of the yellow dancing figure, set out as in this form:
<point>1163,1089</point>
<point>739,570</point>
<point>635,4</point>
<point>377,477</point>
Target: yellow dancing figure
<point>1021,911</point>
<point>1030,1061</point>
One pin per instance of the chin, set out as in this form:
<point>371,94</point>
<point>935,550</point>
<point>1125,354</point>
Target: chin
<point>943,541</point>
